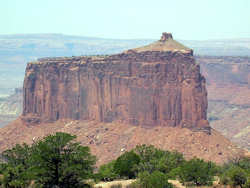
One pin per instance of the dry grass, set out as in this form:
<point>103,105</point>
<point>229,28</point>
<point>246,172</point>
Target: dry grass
<point>124,183</point>
<point>176,184</point>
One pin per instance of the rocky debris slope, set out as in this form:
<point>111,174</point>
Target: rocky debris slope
<point>109,140</point>
<point>158,84</point>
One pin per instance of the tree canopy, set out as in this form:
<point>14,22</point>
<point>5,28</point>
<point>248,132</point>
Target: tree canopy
<point>55,160</point>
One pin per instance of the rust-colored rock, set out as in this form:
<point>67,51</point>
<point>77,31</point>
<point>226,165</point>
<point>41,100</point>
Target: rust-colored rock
<point>159,84</point>
<point>165,36</point>
<point>109,140</point>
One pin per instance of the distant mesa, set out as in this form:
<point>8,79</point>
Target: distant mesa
<point>158,84</point>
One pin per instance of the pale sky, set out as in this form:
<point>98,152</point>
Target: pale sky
<point>128,19</point>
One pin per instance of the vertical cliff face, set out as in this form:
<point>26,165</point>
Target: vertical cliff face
<point>158,84</point>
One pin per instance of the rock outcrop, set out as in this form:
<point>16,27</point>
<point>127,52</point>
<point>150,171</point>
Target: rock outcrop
<point>158,84</point>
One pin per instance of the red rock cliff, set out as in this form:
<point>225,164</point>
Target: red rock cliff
<point>158,84</point>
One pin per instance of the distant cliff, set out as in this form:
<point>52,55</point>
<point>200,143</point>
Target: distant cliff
<point>10,107</point>
<point>158,84</point>
<point>226,70</point>
<point>228,85</point>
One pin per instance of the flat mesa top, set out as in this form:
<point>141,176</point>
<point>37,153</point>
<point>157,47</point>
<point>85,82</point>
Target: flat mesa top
<point>166,43</point>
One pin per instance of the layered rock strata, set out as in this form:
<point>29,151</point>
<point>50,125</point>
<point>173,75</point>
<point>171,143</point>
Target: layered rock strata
<point>158,84</point>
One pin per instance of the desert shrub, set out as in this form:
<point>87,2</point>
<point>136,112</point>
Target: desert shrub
<point>174,173</point>
<point>236,172</point>
<point>2,167</point>
<point>234,176</point>
<point>242,162</point>
<point>153,159</point>
<point>224,179</point>
<point>197,171</point>
<point>156,179</point>
<point>106,172</point>
<point>124,165</point>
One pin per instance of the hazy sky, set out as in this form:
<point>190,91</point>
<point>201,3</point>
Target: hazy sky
<point>128,19</point>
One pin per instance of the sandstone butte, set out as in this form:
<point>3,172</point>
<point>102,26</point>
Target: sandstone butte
<point>148,95</point>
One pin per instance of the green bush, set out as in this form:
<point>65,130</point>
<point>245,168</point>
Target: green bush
<point>174,173</point>
<point>155,180</point>
<point>106,172</point>
<point>153,159</point>
<point>242,162</point>
<point>236,172</point>
<point>224,179</point>
<point>247,184</point>
<point>197,171</point>
<point>234,176</point>
<point>124,165</point>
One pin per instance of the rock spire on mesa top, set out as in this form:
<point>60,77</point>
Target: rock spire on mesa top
<point>166,43</point>
<point>165,36</point>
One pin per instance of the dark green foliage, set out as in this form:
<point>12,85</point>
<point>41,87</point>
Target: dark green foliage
<point>156,179</point>
<point>234,176</point>
<point>198,172</point>
<point>55,161</point>
<point>17,155</point>
<point>243,163</point>
<point>106,172</point>
<point>247,184</point>
<point>15,177</point>
<point>153,159</point>
<point>58,161</point>
<point>124,165</point>
<point>15,169</point>
<point>143,159</point>
<point>236,172</point>
<point>174,173</point>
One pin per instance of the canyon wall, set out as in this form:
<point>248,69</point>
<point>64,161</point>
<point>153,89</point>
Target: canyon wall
<point>228,85</point>
<point>224,71</point>
<point>159,84</point>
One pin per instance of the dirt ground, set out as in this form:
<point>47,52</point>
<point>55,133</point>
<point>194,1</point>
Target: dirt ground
<point>176,183</point>
<point>109,184</point>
